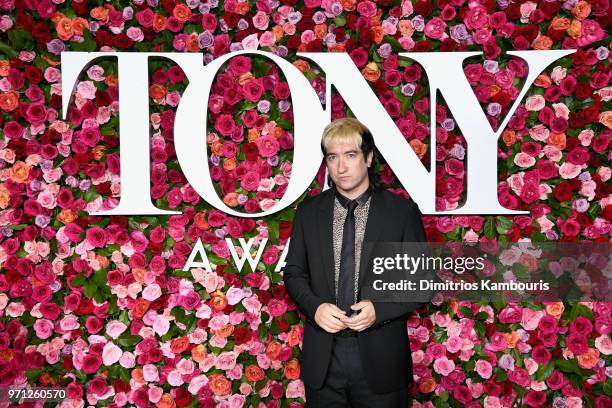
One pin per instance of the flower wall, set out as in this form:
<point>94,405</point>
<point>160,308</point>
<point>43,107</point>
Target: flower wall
<point>101,306</point>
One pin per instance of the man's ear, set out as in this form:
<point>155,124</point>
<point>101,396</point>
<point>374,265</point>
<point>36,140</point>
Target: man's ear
<point>369,158</point>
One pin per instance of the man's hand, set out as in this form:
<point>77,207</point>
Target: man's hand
<point>363,319</point>
<point>329,317</point>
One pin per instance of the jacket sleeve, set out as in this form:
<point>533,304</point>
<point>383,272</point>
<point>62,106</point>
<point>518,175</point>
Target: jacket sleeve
<point>413,232</point>
<point>296,273</point>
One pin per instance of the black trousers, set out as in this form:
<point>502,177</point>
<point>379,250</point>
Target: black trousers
<point>346,386</point>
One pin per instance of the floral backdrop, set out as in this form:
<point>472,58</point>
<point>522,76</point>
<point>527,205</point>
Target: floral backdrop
<point>101,306</point>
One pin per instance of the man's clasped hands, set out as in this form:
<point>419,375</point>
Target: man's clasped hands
<point>332,319</point>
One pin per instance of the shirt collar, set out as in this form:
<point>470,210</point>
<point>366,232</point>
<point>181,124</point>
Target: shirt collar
<point>361,200</point>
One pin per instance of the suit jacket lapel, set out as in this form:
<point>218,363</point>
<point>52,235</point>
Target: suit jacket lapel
<point>325,226</point>
<point>374,227</point>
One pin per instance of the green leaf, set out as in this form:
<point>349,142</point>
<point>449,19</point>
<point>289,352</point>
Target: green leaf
<point>7,50</point>
<point>467,312</point>
<point>607,387</point>
<point>78,280</point>
<point>489,228</point>
<point>567,366</point>
<point>100,277</point>
<point>544,371</point>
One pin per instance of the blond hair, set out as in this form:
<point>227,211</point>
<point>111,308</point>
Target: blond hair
<point>345,130</point>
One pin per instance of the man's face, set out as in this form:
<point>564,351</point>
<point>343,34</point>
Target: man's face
<point>348,168</point>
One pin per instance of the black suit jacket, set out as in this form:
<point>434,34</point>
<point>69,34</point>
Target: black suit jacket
<point>309,279</point>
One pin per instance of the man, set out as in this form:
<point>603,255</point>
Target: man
<point>355,351</point>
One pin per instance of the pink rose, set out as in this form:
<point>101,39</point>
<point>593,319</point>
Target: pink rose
<point>267,145</point>
<point>444,366</point>
<point>484,369</point>
<point>111,354</point>
<point>115,328</point>
<point>43,328</point>
<point>435,28</point>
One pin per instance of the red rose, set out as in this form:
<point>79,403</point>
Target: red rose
<point>562,191</point>
<point>535,398</point>
<point>183,397</point>
<point>91,363</point>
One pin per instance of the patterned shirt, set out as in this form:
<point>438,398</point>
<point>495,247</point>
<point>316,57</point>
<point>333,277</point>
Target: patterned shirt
<point>361,218</point>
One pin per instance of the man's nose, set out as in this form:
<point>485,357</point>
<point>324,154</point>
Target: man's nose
<point>341,166</point>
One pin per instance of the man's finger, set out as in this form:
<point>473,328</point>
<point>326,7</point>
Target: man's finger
<point>333,322</point>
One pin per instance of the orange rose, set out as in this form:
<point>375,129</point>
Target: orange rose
<point>529,261</point>
<point>157,91</point>
<point>377,34</point>
<point>302,65</point>
<point>97,152</point>
<point>419,147</point>
<point>166,401</point>
<point>4,68</point>
<point>427,385</point>
<point>100,14</point>
<point>137,375</point>
<point>348,5</point>
<point>102,260</point>
<point>231,199</point>
<point>200,220</point>
<point>229,164</point>
<point>605,118</point>
<point>9,101</point>
<point>218,300</point>
<point>112,80</point>
<point>278,32</point>
<point>242,8</point>
<point>181,12</point>
<point>199,353</point>
<point>371,72</point>
<point>273,350</point>
<point>320,31</point>
<point>66,216</point>
<point>406,28</point>
<point>560,23</point>
<point>46,379</point>
<point>292,369</point>
<point>512,339</point>
<point>226,330</point>
<point>140,308</point>
<point>64,29</point>
<point>542,81</point>
<point>159,23</point>
<point>509,137</point>
<point>5,196</point>
<point>246,77</point>
<point>79,25</point>
<point>582,10</point>
<point>6,355</point>
<point>139,274</point>
<point>543,42</point>
<point>589,359</point>
<point>215,148</point>
<point>252,135</point>
<point>254,373</point>
<point>336,47</point>
<point>295,336</point>
<point>219,384</point>
<point>19,172</point>
<point>179,345</point>
<point>192,44</point>
<point>555,309</point>
<point>557,140</point>
<point>575,29</point>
